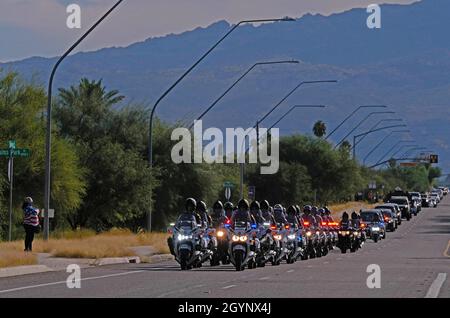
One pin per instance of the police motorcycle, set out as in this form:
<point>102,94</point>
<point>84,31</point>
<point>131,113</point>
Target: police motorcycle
<point>311,235</point>
<point>294,236</point>
<point>244,245</point>
<point>280,233</point>
<point>187,243</point>
<point>347,237</point>
<point>261,227</point>
<point>220,231</point>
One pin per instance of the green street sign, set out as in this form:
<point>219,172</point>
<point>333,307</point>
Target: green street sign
<point>12,144</point>
<point>228,184</point>
<point>16,152</point>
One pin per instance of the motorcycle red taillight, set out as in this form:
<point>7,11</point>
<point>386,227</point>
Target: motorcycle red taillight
<point>306,223</point>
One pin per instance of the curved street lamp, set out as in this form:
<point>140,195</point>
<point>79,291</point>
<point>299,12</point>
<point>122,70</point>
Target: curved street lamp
<point>383,140</point>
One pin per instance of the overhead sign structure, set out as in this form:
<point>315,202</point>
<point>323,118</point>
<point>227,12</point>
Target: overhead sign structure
<point>434,159</point>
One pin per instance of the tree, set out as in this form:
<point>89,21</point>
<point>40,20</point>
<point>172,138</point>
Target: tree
<point>21,106</point>
<point>111,145</point>
<point>319,129</point>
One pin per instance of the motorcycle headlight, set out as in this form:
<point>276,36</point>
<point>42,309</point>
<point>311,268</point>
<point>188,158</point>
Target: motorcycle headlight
<point>348,232</point>
<point>220,234</point>
<point>291,236</point>
<point>243,238</point>
<point>308,233</point>
<point>277,237</point>
<point>182,237</point>
<point>355,233</point>
<point>375,228</point>
<point>317,232</point>
<point>235,238</point>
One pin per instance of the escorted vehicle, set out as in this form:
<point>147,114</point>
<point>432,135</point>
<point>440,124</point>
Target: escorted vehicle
<point>394,208</point>
<point>425,200</point>
<point>348,238</point>
<point>403,203</point>
<point>389,219</point>
<point>434,200</point>
<point>444,190</point>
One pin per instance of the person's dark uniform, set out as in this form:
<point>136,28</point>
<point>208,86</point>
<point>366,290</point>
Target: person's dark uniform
<point>204,216</point>
<point>279,215</point>
<point>355,219</point>
<point>292,216</point>
<point>229,209</point>
<point>256,213</point>
<point>242,214</point>
<point>345,221</point>
<point>267,212</point>
<point>218,216</point>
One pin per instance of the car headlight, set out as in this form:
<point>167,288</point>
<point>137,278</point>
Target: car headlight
<point>220,234</point>
<point>375,228</point>
<point>291,236</point>
<point>243,238</point>
<point>235,238</point>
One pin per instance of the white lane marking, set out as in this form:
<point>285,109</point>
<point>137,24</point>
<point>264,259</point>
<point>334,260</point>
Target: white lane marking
<point>230,286</point>
<point>326,262</point>
<point>435,287</point>
<point>290,271</point>
<point>264,278</point>
<point>64,282</point>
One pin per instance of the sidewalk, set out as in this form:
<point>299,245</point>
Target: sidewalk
<point>47,263</point>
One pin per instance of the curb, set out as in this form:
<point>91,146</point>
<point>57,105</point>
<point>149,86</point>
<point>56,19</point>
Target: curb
<point>116,260</point>
<point>23,270</point>
<point>158,258</point>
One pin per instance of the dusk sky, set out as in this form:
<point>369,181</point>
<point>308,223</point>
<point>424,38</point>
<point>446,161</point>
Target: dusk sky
<point>38,27</point>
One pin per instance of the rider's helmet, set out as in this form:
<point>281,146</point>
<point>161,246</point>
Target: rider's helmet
<point>292,210</point>
<point>228,206</point>
<point>322,212</point>
<point>314,210</point>
<point>278,207</point>
<point>190,205</point>
<point>265,205</point>
<point>254,206</point>
<point>243,205</point>
<point>307,209</point>
<point>354,215</point>
<point>345,216</point>
<point>218,205</point>
<point>327,210</point>
<point>297,209</point>
<point>201,207</point>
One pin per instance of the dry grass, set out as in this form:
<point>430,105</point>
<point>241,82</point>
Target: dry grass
<point>86,244</point>
<point>12,254</point>
<point>338,209</point>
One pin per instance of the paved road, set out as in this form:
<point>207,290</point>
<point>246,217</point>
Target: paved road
<point>414,262</point>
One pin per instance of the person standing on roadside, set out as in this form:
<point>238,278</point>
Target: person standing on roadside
<point>30,222</point>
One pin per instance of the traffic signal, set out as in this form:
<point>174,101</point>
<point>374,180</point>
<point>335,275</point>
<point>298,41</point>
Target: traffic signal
<point>434,159</point>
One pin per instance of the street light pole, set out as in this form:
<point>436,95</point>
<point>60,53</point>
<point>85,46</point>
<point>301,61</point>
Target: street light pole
<point>379,144</point>
<point>189,70</point>
<point>351,114</point>
<point>393,147</point>
<point>376,125</point>
<point>237,81</point>
<point>355,137</point>
<point>48,139</point>
<point>360,123</point>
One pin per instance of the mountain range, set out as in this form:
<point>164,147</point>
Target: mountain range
<point>404,65</point>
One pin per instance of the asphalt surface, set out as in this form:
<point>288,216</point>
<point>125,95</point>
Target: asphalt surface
<point>414,262</point>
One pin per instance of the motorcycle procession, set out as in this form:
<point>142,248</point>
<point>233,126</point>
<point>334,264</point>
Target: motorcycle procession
<point>253,235</point>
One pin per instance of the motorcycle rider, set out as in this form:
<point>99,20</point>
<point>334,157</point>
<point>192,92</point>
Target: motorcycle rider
<point>229,209</point>
<point>218,216</point>
<point>256,213</point>
<point>344,220</point>
<point>307,217</point>
<point>189,214</point>
<point>204,216</point>
<point>355,220</point>
<point>267,212</point>
<point>242,214</point>
<point>280,217</point>
<point>292,217</point>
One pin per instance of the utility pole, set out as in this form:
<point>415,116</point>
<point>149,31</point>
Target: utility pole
<point>11,185</point>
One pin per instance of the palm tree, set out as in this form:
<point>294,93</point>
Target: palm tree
<point>320,129</point>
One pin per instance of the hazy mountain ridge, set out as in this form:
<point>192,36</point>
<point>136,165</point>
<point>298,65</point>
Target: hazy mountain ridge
<point>405,64</point>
